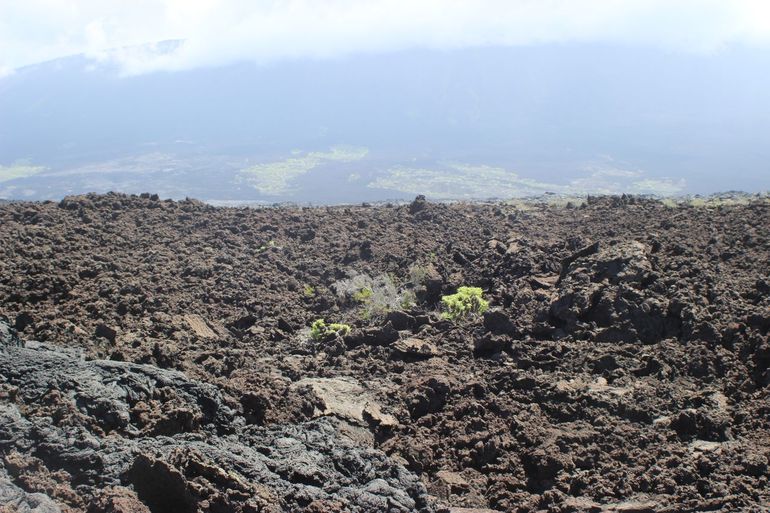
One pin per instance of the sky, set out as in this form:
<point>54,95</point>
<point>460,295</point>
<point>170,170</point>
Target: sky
<point>223,32</point>
<point>478,96</point>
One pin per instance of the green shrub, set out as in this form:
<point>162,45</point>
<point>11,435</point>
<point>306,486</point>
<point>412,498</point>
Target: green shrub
<point>363,295</point>
<point>467,301</point>
<point>265,247</point>
<point>408,300</point>
<point>319,330</point>
<point>309,291</point>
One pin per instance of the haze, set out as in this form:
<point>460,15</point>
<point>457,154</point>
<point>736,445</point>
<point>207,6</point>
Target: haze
<point>338,102</point>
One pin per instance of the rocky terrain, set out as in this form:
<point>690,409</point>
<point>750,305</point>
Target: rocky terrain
<point>156,356</point>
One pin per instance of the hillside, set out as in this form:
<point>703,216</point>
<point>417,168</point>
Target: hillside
<point>466,123</point>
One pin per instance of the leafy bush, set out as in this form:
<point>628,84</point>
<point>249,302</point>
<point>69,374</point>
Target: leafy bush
<point>467,301</point>
<point>309,291</point>
<point>319,330</point>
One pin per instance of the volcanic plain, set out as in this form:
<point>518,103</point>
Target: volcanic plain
<point>156,356</point>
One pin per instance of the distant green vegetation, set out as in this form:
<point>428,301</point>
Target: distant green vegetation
<point>275,178</point>
<point>467,301</point>
<point>319,330</point>
<point>18,169</point>
<point>458,181</point>
<point>716,200</point>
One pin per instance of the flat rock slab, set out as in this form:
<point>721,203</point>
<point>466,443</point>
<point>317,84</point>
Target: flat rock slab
<point>631,507</point>
<point>473,510</point>
<point>415,347</point>
<point>347,399</point>
<point>200,326</point>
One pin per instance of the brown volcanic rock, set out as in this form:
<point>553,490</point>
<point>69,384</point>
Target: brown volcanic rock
<point>415,347</point>
<point>117,499</point>
<point>624,361</point>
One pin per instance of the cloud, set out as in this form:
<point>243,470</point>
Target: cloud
<point>218,32</point>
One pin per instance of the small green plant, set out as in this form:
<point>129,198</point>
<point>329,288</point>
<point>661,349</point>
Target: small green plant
<point>467,301</point>
<point>265,247</point>
<point>319,330</point>
<point>309,291</point>
<point>363,295</point>
<point>408,300</point>
<point>417,274</point>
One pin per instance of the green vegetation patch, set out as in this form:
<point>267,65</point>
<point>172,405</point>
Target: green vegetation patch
<point>363,296</point>
<point>462,181</point>
<point>19,169</point>
<point>274,178</point>
<point>467,301</point>
<point>319,330</point>
<point>309,291</point>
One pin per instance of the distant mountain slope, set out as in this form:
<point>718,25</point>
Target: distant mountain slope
<point>549,113</point>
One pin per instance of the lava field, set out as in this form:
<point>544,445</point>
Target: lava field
<point>156,356</point>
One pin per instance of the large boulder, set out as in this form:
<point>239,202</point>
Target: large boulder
<point>604,292</point>
<point>176,444</point>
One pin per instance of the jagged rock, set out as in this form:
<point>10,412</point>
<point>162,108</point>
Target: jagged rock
<point>490,344</point>
<point>9,336</point>
<point>449,483</point>
<point>106,332</point>
<point>430,287</point>
<point>543,282</point>
<point>415,347</point>
<point>612,369</point>
<point>497,321</point>
<point>377,336</point>
<point>400,320</point>
<point>430,396</point>
<point>15,500</point>
<point>607,288</point>
<point>242,323</point>
<point>418,204</point>
<point>346,399</point>
<point>473,510</point>
<point>117,500</point>
<point>23,319</point>
<point>107,393</point>
<point>199,325</point>
<point>211,461</point>
<point>585,251</point>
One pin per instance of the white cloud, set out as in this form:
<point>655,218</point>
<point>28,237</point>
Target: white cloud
<point>218,32</point>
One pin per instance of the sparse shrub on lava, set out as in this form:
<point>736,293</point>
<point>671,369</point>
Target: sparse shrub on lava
<point>467,301</point>
<point>319,330</point>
